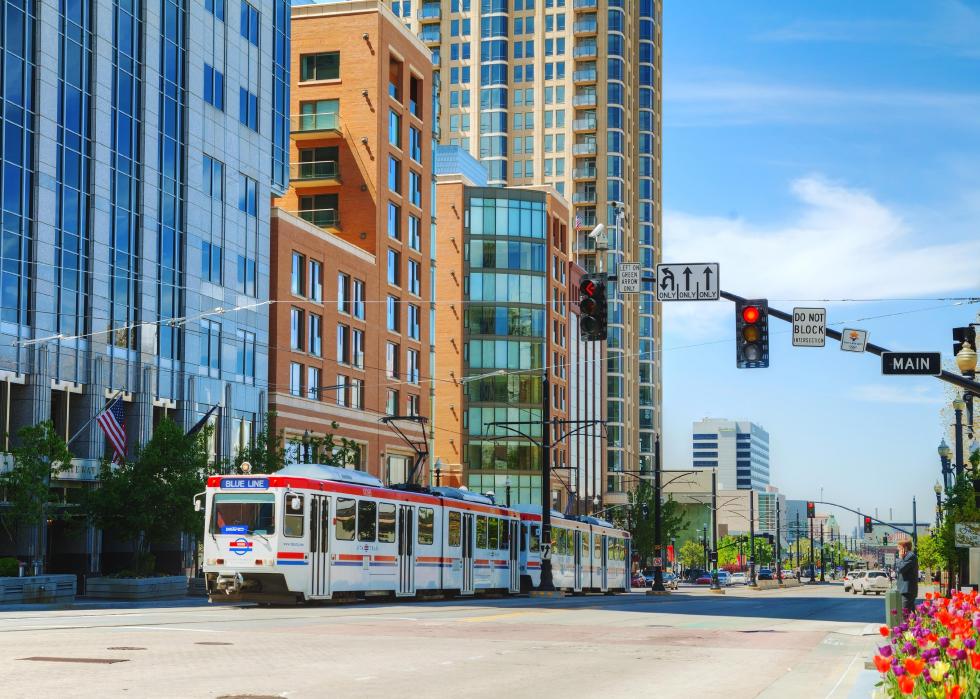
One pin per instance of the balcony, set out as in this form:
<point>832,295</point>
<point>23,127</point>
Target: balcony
<point>584,197</point>
<point>324,218</point>
<point>588,75</point>
<point>323,173</point>
<point>584,173</point>
<point>587,148</point>
<point>430,12</point>
<point>584,243</point>
<point>589,50</point>
<point>585,218</point>
<point>586,5</point>
<point>588,124</point>
<point>585,27</point>
<point>587,99</point>
<point>430,34</point>
<point>306,127</point>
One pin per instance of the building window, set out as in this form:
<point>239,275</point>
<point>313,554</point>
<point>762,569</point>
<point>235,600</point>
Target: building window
<point>213,178</point>
<point>415,95</point>
<point>320,210</point>
<point>394,78</point>
<point>211,262</point>
<point>357,348</point>
<point>246,275</point>
<point>319,66</point>
<point>358,299</point>
<point>394,221</point>
<point>413,405</point>
<point>394,174</point>
<point>415,233</point>
<point>216,7</point>
<point>356,394</point>
<point>343,343</point>
<point>393,308</point>
<point>295,379</point>
<point>314,335</point>
<point>211,345</point>
<point>313,383</point>
<point>247,195</point>
<point>415,188</point>
<point>214,87</point>
<point>394,267</point>
<point>415,277</point>
<point>297,282</point>
<point>248,109</point>
<point>341,390</point>
<point>250,23</point>
<point>296,329</point>
<point>318,163</point>
<point>343,293</point>
<point>414,315</point>
<point>316,281</point>
<point>412,366</point>
<point>245,354</point>
<point>391,360</point>
<point>394,128</point>
<point>320,115</point>
<point>391,402</point>
<point>415,144</point>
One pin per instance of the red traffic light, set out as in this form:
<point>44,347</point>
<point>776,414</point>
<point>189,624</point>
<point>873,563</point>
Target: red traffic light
<point>750,314</point>
<point>588,287</point>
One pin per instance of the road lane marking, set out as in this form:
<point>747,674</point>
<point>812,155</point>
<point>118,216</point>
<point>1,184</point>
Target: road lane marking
<point>169,628</point>
<point>843,675</point>
<point>494,617</point>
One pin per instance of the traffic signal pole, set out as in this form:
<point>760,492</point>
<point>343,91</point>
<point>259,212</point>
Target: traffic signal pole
<point>947,376</point>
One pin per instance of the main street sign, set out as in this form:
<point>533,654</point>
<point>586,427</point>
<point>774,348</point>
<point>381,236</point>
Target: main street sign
<point>688,282</point>
<point>911,363</point>
<point>628,277</point>
<point>809,327</point>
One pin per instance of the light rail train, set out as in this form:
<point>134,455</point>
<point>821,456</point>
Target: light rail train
<point>314,532</point>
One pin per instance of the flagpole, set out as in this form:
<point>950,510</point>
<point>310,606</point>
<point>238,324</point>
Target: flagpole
<point>112,399</point>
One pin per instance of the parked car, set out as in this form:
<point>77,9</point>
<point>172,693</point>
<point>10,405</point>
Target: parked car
<point>670,581</point>
<point>703,579</point>
<point>764,574</point>
<point>724,578</point>
<point>848,580</point>
<point>740,579</point>
<point>876,581</point>
<point>638,580</point>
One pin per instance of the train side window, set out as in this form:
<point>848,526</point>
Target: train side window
<point>505,534</point>
<point>481,532</point>
<point>455,528</point>
<point>386,522</point>
<point>493,533</point>
<point>597,545</point>
<point>292,525</point>
<point>367,520</point>
<point>523,537</point>
<point>346,509</point>
<point>535,539</point>
<point>427,522</point>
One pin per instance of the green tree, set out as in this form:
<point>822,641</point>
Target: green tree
<point>638,517</point>
<point>692,554</point>
<point>149,501</point>
<point>40,455</point>
<point>929,554</point>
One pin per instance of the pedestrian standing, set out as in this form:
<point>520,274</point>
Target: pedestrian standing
<point>907,575</point>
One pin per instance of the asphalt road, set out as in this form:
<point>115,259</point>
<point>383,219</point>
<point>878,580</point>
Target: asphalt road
<point>803,642</point>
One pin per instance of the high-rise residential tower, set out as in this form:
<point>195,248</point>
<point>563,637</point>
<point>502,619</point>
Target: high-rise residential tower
<point>568,93</point>
<point>140,141</point>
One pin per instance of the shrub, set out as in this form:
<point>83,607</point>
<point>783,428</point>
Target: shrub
<point>9,567</point>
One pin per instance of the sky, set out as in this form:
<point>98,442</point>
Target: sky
<point>823,151</point>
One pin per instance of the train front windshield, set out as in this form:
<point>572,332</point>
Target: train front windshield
<point>244,513</point>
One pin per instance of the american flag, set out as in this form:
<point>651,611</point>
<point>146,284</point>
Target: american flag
<point>578,219</point>
<point>112,421</point>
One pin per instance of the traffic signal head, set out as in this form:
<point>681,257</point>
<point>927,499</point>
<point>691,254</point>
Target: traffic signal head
<point>752,334</point>
<point>645,509</point>
<point>867,525</point>
<point>811,510</point>
<point>884,538</point>
<point>592,304</point>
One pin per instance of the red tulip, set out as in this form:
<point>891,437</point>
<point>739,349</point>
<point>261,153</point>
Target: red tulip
<point>906,684</point>
<point>974,660</point>
<point>884,631</point>
<point>883,664</point>
<point>914,666</point>
<point>953,691</point>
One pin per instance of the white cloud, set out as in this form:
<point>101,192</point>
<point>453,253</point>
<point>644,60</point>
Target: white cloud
<point>840,243</point>
<point>893,393</point>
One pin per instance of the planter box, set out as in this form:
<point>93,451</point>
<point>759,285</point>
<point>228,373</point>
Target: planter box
<point>38,588</point>
<point>137,588</point>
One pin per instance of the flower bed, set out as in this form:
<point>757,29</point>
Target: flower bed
<point>934,652</point>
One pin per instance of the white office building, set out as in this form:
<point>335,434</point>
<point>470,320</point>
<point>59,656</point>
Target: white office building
<point>738,449</point>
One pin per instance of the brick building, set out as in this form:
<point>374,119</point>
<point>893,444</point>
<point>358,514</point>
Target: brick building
<point>351,257</point>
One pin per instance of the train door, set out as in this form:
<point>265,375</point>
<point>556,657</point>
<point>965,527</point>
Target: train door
<point>406,550</point>
<point>515,544</point>
<point>578,561</point>
<point>319,546</point>
<point>604,574</point>
<point>467,554</point>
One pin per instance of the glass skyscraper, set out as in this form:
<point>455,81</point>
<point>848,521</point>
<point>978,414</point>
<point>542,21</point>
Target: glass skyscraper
<point>141,142</point>
<point>568,93</point>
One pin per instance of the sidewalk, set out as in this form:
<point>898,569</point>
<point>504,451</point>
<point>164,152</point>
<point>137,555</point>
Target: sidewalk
<point>83,603</point>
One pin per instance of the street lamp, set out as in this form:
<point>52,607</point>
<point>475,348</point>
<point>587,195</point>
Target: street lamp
<point>939,503</point>
<point>438,471</point>
<point>507,489</point>
<point>958,406</point>
<point>306,446</point>
<point>595,504</point>
<point>944,453</point>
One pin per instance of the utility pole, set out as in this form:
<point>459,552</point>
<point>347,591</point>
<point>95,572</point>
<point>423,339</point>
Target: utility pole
<point>714,530</point>
<point>547,580</point>
<point>658,571</point>
<point>798,531</point>
<point>752,580</point>
<point>779,558</point>
<point>813,577</point>
<point>915,532</point>
<point>822,564</point>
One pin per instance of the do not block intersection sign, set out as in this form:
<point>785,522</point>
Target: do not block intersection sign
<point>809,327</point>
